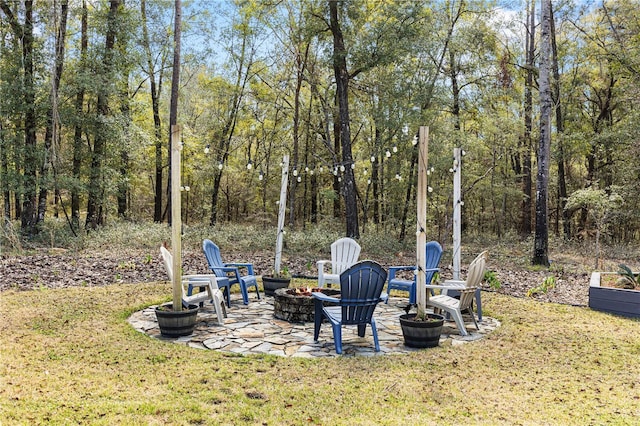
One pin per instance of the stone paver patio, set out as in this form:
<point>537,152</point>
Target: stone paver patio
<point>252,329</point>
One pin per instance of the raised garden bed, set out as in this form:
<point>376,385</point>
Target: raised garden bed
<point>617,301</point>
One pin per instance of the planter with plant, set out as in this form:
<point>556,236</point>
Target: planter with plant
<point>421,329</point>
<point>617,293</point>
<point>276,280</point>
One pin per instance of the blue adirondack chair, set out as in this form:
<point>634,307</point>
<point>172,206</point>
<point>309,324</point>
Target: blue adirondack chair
<point>231,271</point>
<point>360,292</point>
<point>433,255</point>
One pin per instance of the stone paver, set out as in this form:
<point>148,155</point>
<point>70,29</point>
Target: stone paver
<point>252,329</point>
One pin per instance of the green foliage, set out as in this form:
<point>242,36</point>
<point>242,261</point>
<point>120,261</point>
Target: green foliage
<point>547,284</point>
<point>630,280</point>
<point>492,279</point>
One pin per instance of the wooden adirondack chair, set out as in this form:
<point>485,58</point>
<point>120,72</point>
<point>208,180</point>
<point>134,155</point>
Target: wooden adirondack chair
<point>454,306</point>
<point>230,272</point>
<point>433,255</point>
<point>208,282</point>
<point>344,253</point>
<point>360,292</point>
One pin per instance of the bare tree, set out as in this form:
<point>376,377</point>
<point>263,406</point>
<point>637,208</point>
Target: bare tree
<point>541,243</point>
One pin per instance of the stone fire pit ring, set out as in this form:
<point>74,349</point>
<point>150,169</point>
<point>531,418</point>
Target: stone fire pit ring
<point>292,307</point>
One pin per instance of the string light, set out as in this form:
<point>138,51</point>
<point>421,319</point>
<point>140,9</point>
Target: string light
<point>388,154</point>
<point>220,166</point>
<point>299,178</point>
<point>373,158</point>
<point>249,165</point>
<point>295,172</point>
<point>206,149</point>
<point>395,149</point>
<point>342,168</point>
<point>261,175</point>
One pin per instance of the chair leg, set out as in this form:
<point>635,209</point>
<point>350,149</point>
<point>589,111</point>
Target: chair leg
<point>337,337</point>
<point>473,317</point>
<point>479,305</point>
<point>457,316</point>
<point>317,319</point>
<point>374,331</point>
<point>362,328</point>
<point>245,294</point>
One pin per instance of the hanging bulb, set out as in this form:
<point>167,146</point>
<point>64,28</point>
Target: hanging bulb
<point>451,170</point>
<point>428,172</point>
<point>335,172</point>
<point>295,172</point>
<point>405,129</point>
<point>299,178</point>
<point>395,149</point>
<point>261,175</point>
<point>311,172</point>
<point>464,152</point>
<point>220,166</point>
<point>364,172</point>
<point>373,158</point>
<point>368,181</point>
<point>339,179</point>
<point>187,188</point>
<point>414,141</point>
<point>206,149</point>
<point>429,189</point>
<point>342,168</point>
<point>353,166</point>
<point>321,169</point>
<point>249,165</point>
<point>388,154</point>
<point>455,163</point>
<point>181,188</point>
<point>306,169</point>
<point>398,176</point>
<point>433,169</point>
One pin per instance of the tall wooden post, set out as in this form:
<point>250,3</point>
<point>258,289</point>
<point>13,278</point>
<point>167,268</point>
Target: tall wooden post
<point>457,208</point>
<point>421,221</point>
<point>281,212</point>
<point>176,219</point>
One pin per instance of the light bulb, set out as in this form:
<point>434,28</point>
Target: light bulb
<point>206,149</point>
<point>430,189</point>
<point>299,178</point>
<point>414,141</point>
<point>306,169</point>
<point>388,154</point>
<point>373,159</point>
<point>187,188</point>
<point>295,172</point>
<point>260,176</point>
<point>249,165</point>
<point>395,149</point>
<point>342,168</point>
<point>353,166</point>
<point>368,181</point>
<point>220,166</point>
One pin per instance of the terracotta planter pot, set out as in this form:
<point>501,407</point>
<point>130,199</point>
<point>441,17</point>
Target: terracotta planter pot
<point>421,334</point>
<point>176,323</point>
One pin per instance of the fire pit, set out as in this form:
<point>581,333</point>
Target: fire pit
<point>296,304</point>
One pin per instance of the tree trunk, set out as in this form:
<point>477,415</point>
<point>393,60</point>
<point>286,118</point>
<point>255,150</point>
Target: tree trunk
<point>562,183</point>
<point>52,132</point>
<point>77,137</point>
<point>541,243</point>
<point>95,210</point>
<point>342,91</point>
<point>525,214</point>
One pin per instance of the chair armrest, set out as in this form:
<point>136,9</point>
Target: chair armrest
<point>321,264</point>
<point>394,269</point>
<point>455,283</point>
<point>323,297</point>
<point>249,266</point>
<point>384,297</point>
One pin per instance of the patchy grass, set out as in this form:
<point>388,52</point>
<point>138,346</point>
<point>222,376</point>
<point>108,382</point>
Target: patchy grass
<point>69,357</point>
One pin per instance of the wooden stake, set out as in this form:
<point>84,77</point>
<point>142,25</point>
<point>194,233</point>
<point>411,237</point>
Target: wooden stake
<point>457,209</point>
<point>176,220</point>
<point>282,212</point>
<point>421,221</point>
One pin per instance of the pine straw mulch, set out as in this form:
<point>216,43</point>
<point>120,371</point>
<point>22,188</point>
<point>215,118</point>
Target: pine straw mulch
<point>59,269</point>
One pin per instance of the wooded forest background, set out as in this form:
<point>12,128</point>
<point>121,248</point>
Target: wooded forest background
<point>341,87</point>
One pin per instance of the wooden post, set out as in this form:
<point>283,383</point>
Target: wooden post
<point>281,212</point>
<point>457,208</point>
<point>176,220</point>
<point>421,221</point>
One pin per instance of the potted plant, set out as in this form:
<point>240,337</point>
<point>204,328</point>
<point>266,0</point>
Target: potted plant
<point>276,280</point>
<point>617,293</point>
<point>421,329</point>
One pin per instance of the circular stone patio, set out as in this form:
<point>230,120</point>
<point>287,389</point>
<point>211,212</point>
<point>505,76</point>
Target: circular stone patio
<point>252,329</point>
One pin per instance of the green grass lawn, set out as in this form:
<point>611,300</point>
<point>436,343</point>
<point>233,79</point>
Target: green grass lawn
<point>68,356</point>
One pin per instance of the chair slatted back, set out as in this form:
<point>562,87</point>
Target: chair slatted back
<point>433,251</point>
<point>214,259</point>
<point>360,289</point>
<point>344,253</point>
<point>167,258</point>
<point>476,270</point>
